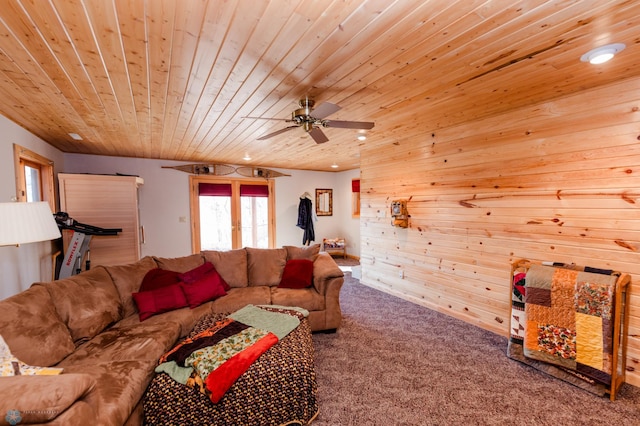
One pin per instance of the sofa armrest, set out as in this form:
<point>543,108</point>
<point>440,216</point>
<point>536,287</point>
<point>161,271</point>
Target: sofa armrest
<point>41,399</point>
<point>325,270</point>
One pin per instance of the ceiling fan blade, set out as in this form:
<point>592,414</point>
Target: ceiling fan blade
<point>268,118</point>
<point>349,124</point>
<point>277,132</point>
<point>318,135</point>
<point>325,109</point>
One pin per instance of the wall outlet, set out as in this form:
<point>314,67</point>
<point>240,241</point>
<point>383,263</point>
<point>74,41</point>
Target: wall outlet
<point>182,219</point>
<point>401,273</point>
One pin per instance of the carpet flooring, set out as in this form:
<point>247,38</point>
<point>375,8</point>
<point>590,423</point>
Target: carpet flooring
<point>396,363</point>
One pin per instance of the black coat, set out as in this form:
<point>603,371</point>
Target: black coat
<point>305,220</point>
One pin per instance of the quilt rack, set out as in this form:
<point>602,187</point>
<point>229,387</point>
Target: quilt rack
<point>578,348</point>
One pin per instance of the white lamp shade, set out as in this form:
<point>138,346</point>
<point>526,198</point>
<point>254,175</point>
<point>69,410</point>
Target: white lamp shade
<point>22,223</point>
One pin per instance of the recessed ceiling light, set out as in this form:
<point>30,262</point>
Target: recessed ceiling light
<point>75,136</point>
<point>246,157</point>
<point>334,166</point>
<point>602,54</point>
<point>362,138</point>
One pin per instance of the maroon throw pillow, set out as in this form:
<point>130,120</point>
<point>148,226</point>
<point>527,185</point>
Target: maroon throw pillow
<point>298,273</point>
<point>158,278</point>
<point>196,274</point>
<point>164,299</point>
<point>209,287</point>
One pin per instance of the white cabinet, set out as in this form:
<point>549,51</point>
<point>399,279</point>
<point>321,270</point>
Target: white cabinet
<point>105,201</point>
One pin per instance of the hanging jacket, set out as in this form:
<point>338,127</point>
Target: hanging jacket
<point>305,220</point>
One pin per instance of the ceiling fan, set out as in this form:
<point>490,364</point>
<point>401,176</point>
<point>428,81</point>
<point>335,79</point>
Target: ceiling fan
<point>311,120</point>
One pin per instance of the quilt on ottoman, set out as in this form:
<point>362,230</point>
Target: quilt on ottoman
<point>279,388</point>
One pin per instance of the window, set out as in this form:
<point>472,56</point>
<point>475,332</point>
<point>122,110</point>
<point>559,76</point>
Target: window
<point>34,177</point>
<point>231,213</point>
<point>254,208</point>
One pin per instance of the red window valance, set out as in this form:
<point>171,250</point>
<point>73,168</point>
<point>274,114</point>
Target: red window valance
<point>254,191</point>
<point>214,189</point>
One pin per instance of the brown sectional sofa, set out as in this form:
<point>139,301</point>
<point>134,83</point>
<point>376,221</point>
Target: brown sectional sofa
<point>88,324</point>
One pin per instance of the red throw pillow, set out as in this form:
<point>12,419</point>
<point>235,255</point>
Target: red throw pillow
<point>298,273</point>
<point>158,278</point>
<point>161,300</point>
<point>209,287</point>
<point>196,274</point>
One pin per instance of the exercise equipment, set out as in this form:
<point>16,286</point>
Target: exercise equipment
<point>79,246</point>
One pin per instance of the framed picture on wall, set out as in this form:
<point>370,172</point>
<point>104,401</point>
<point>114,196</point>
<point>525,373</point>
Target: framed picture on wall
<point>324,202</point>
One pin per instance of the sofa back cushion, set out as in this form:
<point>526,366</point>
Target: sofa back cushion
<point>87,303</point>
<point>180,264</point>
<point>310,252</point>
<point>32,328</point>
<point>265,266</point>
<point>231,265</point>
<point>128,279</point>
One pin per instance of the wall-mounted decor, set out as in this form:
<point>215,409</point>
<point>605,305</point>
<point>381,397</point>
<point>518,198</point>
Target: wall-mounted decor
<point>324,202</point>
<point>225,169</point>
<point>399,213</point>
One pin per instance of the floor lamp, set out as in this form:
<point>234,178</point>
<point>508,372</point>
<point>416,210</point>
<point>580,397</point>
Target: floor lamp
<point>22,223</point>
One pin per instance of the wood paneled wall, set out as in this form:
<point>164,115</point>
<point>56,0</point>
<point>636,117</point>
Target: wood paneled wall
<point>557,181</point>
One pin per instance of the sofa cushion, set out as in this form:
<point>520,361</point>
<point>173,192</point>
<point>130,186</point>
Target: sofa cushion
<point>265,266</point>
<point>121,386</point>
<point>180,264</point>
<point>158,278</point>
<point>231,265</point>
<point>160,300</point>
<point>128,279</point>
<point>310,252</point>
<point>196,274</point>
<point>208,287</point>
<point>237,298</point>
<point>10,365</point>
<point>307,298</point>
<point>45,398</point>
<point>88,302</point>
<point>33,329</point>
<point>122,361</point>
<point>126,341</point>
<point>184,319</point>
<point>298,273</point>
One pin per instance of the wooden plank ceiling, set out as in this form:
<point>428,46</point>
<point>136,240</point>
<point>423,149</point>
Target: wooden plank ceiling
<point>173,79</point>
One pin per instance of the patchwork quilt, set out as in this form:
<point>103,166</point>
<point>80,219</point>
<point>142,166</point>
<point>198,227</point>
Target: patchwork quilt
<point>562,323</point>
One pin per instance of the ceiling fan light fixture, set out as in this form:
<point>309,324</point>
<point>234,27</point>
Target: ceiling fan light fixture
<point>602,54</point>
<point>308,126</point>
